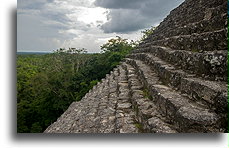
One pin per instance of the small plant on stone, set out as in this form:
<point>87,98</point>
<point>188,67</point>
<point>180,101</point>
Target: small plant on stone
<point>139,126</point>
<point>194,50</point>
<point>146,94</point>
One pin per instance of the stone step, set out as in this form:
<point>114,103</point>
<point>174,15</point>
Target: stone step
<point>87,115</point>
<point>176,18</point>
<point>207,13</point>
<point>125,119</point>
<point>105,109</point>
<point>211,93</point>
<point>207,41</point>
<point>210,65</point>
<point>217,22</point>
<point>146,112</point>
<point>186,114</point>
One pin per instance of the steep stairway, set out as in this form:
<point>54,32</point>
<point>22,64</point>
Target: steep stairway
<point>175,82</point>
<point>105,109</point>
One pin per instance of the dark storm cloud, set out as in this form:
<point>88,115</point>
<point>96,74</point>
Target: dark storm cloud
<point>39,7</point>
<point>49,24</point>
<point>39,23</point>
<point>124,20</point>
<point>117,4</point>
<point>32,4</point>
<point>132,15</point>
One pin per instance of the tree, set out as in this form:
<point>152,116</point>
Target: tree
<point>147,33</point>
<point>117,45</point>
<point>48,84</point>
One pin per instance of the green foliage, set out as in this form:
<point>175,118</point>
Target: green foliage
<point>147,33</point>
<point>71,50</point>
<point>139,126</point>
<point>48,84</point>
<point>146,94</point>
<point>118,45</point>
<point>46,87</point>
<point>36,128</point>
<point>194,50</point>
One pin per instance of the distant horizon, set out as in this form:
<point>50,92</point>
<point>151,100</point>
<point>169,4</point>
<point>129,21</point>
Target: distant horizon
<point>35,51</point>
<point>44,52</point>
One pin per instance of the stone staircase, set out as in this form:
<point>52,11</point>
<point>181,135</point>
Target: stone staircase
<point>175,82</point>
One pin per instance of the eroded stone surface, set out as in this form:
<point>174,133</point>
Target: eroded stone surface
<point>175,82</point>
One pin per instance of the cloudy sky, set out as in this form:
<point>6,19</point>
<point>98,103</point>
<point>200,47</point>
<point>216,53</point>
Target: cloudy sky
<point>46,25</point>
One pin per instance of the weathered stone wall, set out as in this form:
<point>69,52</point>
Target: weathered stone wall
<point>176,81</point>
<point>195,35</point>
<point>193,17</point>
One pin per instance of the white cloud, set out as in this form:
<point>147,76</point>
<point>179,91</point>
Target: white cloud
<point>45,25</point>
<point>93,15</point>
